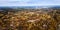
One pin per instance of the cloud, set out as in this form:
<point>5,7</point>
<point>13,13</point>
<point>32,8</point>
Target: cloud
<point>28,2</point>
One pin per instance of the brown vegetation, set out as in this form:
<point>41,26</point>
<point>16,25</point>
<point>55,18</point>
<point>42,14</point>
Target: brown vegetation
<point>30,20</point>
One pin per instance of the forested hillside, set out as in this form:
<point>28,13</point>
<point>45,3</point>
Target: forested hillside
<point>29,19</point>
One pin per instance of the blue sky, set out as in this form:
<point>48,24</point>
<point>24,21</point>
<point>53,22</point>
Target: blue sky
<point>29,2</point>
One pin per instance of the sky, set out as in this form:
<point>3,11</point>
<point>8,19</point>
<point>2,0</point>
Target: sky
<point>29,2</point>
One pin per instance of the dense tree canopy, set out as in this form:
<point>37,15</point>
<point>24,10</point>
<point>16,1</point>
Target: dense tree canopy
<point>30,19</point>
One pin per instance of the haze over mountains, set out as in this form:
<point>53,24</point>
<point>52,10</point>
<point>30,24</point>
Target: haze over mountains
<point>55,6</point>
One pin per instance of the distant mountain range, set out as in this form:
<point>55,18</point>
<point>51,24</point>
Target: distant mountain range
<point>29,6</point>
<point>13,8</point>
<point>54,7</point>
